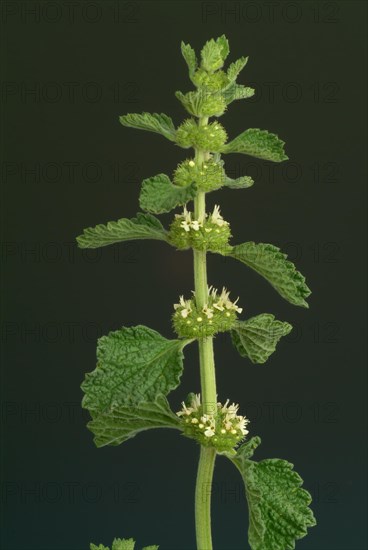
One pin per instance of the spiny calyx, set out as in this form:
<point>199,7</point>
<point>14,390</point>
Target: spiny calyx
<point>207,176</point>
<point>213,82</point>
<point>222,428</point>
<point>218,314</point>
<point>209,233</point>
<point>211,137</point>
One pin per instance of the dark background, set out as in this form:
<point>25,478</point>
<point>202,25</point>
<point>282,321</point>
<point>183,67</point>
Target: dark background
<point>69,164</point>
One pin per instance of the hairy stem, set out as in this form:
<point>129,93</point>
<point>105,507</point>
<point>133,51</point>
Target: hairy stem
<point>203,497</point>
<point>208,383</point>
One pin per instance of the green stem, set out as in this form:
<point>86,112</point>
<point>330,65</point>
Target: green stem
<point>203,498</point>
<point>208,383</point>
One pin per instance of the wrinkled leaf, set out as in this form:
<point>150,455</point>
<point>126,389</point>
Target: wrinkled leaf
<point>153,122</point>
<point>160,195</point>
<point>120,423</point>
<point>134,364</point>
<point>257,143</point>
<point>144,226</point>
<point>273,265</point>
<point>257,337</point>
<point>279,512</point>
<point>239,183</point>
<point>190,57</point>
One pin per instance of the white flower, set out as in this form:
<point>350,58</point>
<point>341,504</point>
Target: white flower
<point>241,425</point>
<point>185,225</point>
<point>216,217</point>
<point>185,411</point>
<point>194,406</point>
<point>223,301</point>
<point>191,163</point>
<point>207,311</point>
<point>196,401</point>
<point>232,305</point>
<point>195,225</point>
<point>231,422</point>
<point>209,432</point>
<point>186,305</point>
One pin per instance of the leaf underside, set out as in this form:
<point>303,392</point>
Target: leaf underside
<point>239,183</point>
<point>120,423</point>
<point>257,337</point>
<point>237,91</point>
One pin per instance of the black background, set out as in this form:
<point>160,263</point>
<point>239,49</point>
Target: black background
<point>88,64</point>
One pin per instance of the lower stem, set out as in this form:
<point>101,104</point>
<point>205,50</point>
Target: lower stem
<point>203,498</point>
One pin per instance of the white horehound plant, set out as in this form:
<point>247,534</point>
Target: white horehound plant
<point>137,367</point>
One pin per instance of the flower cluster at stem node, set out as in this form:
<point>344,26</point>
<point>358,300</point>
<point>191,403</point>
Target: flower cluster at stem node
<point>208,176</point>
<point>211,233</point>
<point>218,314</point>
<point>223,428</point>
<point>211,137</point>
<point>212,82</point>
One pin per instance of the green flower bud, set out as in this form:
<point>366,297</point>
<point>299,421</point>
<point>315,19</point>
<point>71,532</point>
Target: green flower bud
<point>177,235</point>
<point>209,138</point>
<point>213,105</point>
<point>186,133</point>
<point>221,428</point>
<point>219,314</point>
<point>212,82</point>
<point>211,237</point>
<point>207,177</point>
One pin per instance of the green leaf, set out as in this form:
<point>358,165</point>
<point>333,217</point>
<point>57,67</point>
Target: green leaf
<point>223,44</point>
<point>144,226</point>
<point>190,57</point>
<point>120,423</point>
<point>257,337</point>
<point>237,91</point>
<point>160,195</point>
<point>214,53</point>
<point>121,544</point>
<point>279,512</point>
<point>239,183</point>
<point>191,101</point>
<point>272,264</point>
<point>257,143</point>
<point>159,123</point>
<point>134,364</point>
<point>235,68</point>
